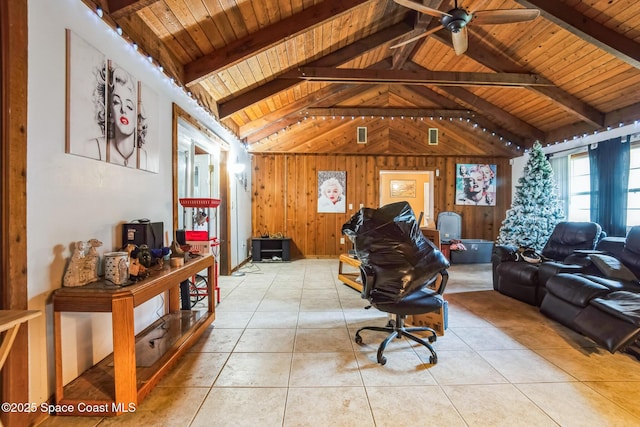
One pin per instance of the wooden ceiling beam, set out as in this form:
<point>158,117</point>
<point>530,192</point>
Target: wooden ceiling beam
<point>582,26</point>
<point>498,115</point>
<point>120,8</point>
<point>388,112</point>
<point>283,118</point>
<point>266,37</point>
<point>497,63</point>
<point>410,77</point>
<point>341,56</point>
<point>480,119</point>
<point>614,119</point>
<point>422,21</point>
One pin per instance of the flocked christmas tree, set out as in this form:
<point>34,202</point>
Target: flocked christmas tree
<point>535,209</point>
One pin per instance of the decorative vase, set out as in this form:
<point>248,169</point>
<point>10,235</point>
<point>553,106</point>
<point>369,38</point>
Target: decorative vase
<point>116,267</point>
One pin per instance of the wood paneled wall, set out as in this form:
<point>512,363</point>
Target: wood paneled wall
<point>284,188</point>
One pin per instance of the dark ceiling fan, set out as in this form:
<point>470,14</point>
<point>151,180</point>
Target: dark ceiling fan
<point>457,19</point>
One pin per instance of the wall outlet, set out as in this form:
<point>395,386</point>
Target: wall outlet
<point>350,206</point>
<point>342,240</point>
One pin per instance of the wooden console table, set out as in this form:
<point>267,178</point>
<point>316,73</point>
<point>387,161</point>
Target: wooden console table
<point>349,279</point>
<point>116,384</point>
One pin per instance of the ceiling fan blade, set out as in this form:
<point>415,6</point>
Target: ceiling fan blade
<point>422,8</point>
<point>504,16</point>
<point>418,37</point>
<point>460,41</point>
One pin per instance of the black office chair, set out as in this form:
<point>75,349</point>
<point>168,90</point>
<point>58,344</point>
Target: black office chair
<point>400,270</point>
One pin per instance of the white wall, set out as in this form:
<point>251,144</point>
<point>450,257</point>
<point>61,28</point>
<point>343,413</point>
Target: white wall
<point>71,198</point>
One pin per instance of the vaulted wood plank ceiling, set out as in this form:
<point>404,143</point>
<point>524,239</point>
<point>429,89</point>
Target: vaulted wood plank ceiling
<point>302,75</point>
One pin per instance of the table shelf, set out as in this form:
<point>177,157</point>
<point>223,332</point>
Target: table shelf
<point>122,379</point>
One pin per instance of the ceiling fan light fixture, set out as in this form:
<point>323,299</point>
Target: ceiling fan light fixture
<point>456,20</point>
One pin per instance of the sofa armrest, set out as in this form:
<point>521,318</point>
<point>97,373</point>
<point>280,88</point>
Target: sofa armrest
<point>612,246</point>
<point>500,254</point>
<point>503,253</point>
<point>548,269</point>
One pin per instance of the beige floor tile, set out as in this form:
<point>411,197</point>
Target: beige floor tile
<point>403,368</point>
<point>575,404</point>
<point>232,319</point>
<point>242,407</point>
<point>322,340</point>
<point>524,366</point>
<point>164,406</point>
<point>623,393</point>
<point>280,292</point>
<point>357,318</point>
<point>327,407</point>
<point>215,340</point>
<point>487,339</point>
<point>274,319</point>
<point>461,317</point>
<point>416,406</point>
<point>310,303</point>
<point>62,421</point>
<point>593,364</point>
<point>463,367</point>
<point>321,319</point>
<point>496,405</point>
<point>255,370</point>
<point>238,304</point>
<point>266,341</point>
<point>448,341</point>
<point>195,370</point>
<point>545,336</point>
<point>324,370</point>
<point>371,340</point>
<point>276,304</point>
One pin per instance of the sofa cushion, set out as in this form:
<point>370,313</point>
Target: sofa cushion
<point>621,304</point>
<point>569,236</point>
<point>575,289</point>
<point>520,272</point>
<point>612,268</point>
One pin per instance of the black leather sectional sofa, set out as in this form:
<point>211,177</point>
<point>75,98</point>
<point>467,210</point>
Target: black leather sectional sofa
<point>592,290</point>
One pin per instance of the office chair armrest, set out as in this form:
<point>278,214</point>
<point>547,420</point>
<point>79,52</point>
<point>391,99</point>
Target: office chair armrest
<point>368,280</point>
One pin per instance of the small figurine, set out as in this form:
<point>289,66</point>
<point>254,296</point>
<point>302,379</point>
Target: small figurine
<point>83,267</point>
<point>92,260</point>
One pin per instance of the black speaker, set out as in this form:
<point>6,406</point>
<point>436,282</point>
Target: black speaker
<point>181,237</point>
<point>145,233</point>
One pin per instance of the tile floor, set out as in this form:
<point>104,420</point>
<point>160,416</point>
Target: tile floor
<point>281,353</point>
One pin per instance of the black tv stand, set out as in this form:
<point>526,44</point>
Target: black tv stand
<point>271,250</point>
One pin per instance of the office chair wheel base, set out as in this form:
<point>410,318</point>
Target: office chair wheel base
<point>382,360</point>
<point>358,339</point>
<point>432,338</point>
<point>433,360</point>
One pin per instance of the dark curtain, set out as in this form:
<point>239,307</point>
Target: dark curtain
<point>609,164</point>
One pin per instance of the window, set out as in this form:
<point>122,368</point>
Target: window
<point>633,204</point>
<point>579,188</point>
<point>580,191</point>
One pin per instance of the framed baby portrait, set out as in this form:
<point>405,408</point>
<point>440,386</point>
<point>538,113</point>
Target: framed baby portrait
<point>86,97</point>
<point>332,189</point>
